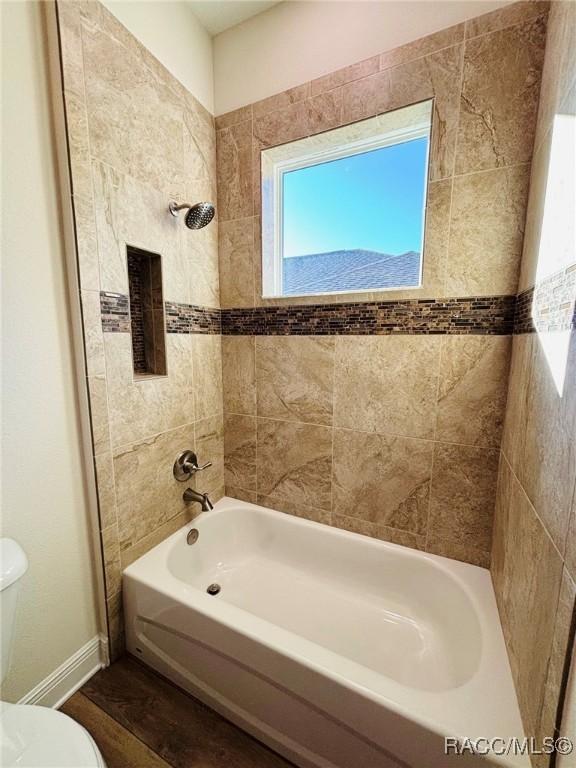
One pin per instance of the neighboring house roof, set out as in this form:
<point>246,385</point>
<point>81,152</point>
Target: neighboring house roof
<point>353,270</point>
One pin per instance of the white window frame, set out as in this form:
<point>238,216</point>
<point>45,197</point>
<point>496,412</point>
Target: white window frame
<point>273,203</point>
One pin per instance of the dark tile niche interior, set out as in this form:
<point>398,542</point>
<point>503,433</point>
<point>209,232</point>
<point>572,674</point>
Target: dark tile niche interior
<point>146,312</point>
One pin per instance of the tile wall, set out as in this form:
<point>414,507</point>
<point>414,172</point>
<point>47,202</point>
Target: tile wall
<point>534,550</point>
<point>394,432</point>
<point>138,139</point>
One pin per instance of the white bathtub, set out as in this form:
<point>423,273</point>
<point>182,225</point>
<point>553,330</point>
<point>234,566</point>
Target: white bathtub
<point>335,649</point>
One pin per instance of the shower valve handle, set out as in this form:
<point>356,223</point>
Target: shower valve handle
<point>186,465</point>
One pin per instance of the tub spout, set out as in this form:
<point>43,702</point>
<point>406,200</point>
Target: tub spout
<point>190,495</point>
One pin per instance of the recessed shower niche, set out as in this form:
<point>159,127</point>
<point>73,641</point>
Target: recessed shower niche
<point>146,312</point>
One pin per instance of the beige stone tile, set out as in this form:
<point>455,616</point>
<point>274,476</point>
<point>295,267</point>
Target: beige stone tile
<point>131,213</point>
<point>559,70</point>
<point>323,112</point>
<point>433,76</point>
<point>135,119</point>
<point>354,525</point>
<point>498,114</point>
<point>559,651</point>
<point>535,260</point>
<point>436,235</point>
<point>128,556</point>
<point>200,251</point>
<point>501,523</point>
<point>86,244</point>
<point>199,142</point>
<point>570,551</point>
<point>473,389</point>
<point>112,569</point>
<point>146,491</point>
<point>97,393</point>
<point>465,552</point>
<point>96,15</point>
<point>550,228</point>
<point>527,574</point>
<point>424,46</point>
<point>71,48</point>
<point>240,451</point>
<point>429,77</point>
<point>547,463</point>
<point>207,351</point>
<point>234,160</point>
<point>239,374</point>
<point>93,339</point>
<point>295,377</point>
<point>514,432</point>
<point>486,232</point>
<point>241,493</point>
<point>236,247</point>
<point>209,442</point>
<point>234,117</point>
<point>281,100</point>
<point>387,384</point>
<point>145,407</point>
<point>345,75</point>
<point>106,490</point>
<point>392,535</point>
<point>78,145</point>
<point>382,479</point>
<point>366,97</point>
<point>294,462</point>
<point>403,538</point>
<point>507,16</point>
<point>109,228</point>
<point>295,508</point>
<point>463,495</point>
<point>304,118</point>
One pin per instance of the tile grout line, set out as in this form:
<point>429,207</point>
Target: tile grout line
<point>532,507</point>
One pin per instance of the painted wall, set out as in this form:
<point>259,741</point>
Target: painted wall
<point>298,41</point>
<point>43,493</point>
<point>395,436</point>
<point>534,554</point>
<point>139,139</point>
<point>173,34</point>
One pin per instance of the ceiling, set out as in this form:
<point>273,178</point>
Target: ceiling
<point>218,15</point>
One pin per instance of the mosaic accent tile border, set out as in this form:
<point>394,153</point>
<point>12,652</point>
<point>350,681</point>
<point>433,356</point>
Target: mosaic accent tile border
<point>483,315</point>
<point>549,306</point>
<point>188,318</point>
<point>492,315</point>
<point>115,312</point>
<point>180,318</point>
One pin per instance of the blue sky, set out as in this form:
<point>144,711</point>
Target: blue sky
<point>371,201</point>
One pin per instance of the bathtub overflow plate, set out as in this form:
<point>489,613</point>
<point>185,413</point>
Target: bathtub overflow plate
<point>213,589</point>
<point>192,537</point>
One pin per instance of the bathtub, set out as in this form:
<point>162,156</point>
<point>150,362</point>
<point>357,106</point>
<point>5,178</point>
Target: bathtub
<point>335,649</point>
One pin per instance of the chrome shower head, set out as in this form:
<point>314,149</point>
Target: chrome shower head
<point>198,215</point>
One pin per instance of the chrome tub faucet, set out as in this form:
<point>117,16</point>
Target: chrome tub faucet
<point>185,466</point>
<point>191,495</point>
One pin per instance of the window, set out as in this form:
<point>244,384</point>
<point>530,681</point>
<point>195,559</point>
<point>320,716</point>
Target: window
<point>344,211</point>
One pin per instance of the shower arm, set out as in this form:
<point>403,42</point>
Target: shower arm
<point>174,207</point>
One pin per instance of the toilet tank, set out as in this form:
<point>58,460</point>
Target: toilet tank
<point>13,565</point>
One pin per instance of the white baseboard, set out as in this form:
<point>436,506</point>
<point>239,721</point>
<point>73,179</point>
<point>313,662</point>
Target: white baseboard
<point>64,681</point>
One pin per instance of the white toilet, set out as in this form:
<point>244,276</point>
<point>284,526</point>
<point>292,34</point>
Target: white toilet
<point>32,736</point>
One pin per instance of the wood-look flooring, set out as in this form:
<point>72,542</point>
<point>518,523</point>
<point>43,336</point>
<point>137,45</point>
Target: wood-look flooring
<point>140,720</point>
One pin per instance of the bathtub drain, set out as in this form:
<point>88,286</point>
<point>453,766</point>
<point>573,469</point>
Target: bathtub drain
<point>213,589</point>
